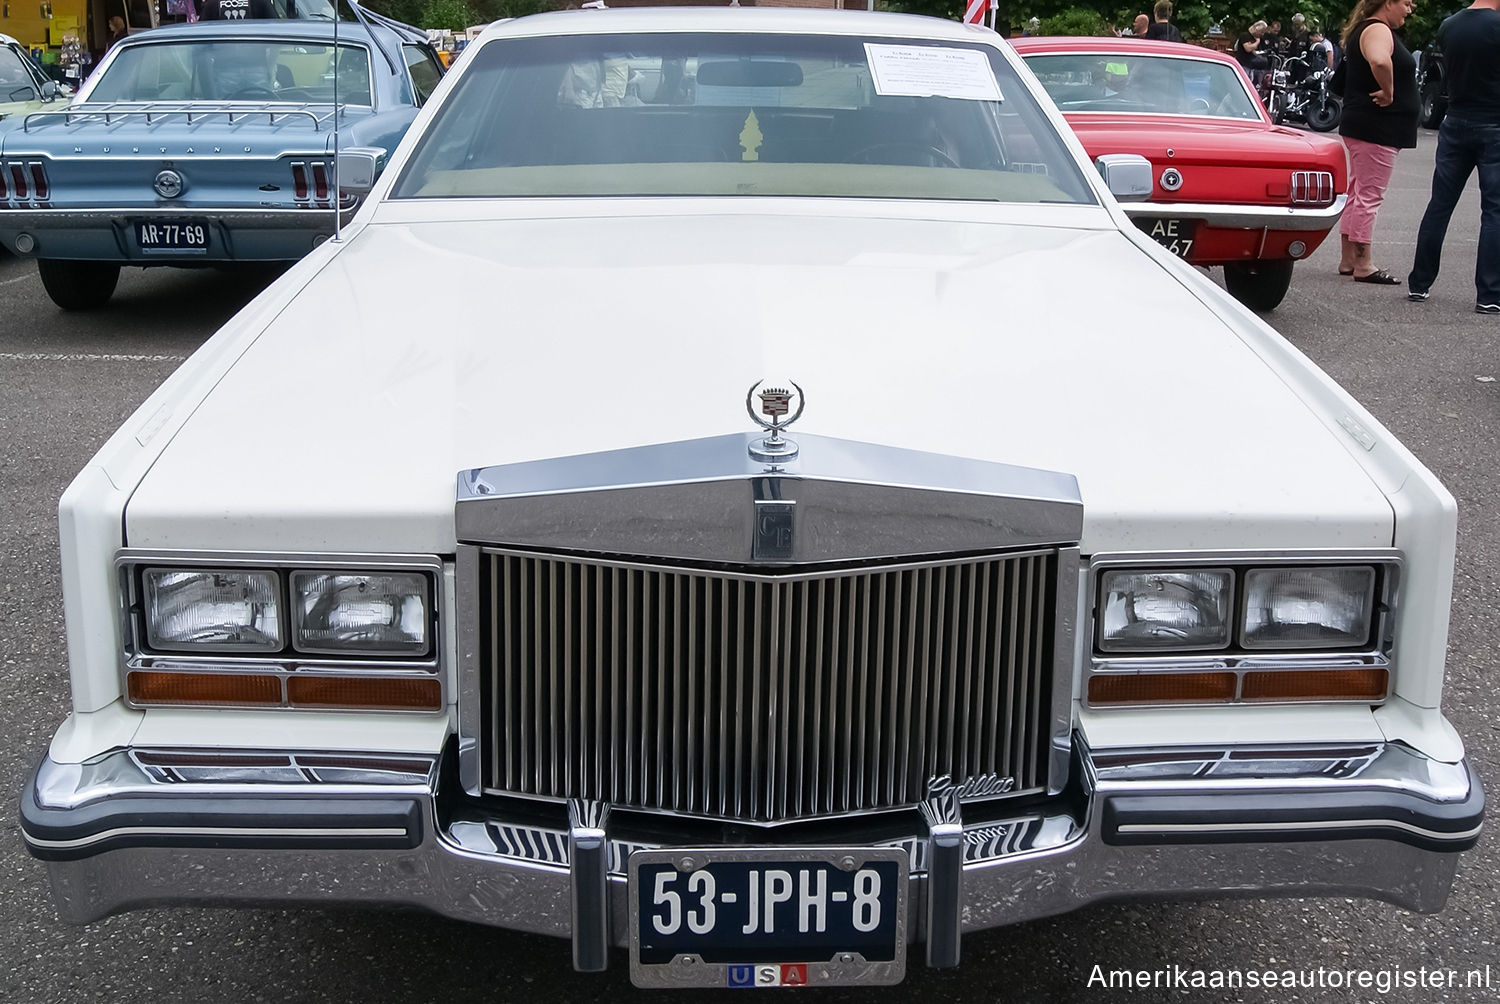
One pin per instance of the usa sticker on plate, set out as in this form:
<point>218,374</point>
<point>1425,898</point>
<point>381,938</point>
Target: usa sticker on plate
<point>932,71</point>
<point>787,974</point>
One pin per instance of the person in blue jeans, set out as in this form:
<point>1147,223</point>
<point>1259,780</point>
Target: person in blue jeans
<point>1469,139</point>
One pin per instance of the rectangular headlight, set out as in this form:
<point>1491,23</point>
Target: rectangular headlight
<point>1144,610</point>
<point>212,610</point>
<point>377,613</point>
<point>1329,607</point>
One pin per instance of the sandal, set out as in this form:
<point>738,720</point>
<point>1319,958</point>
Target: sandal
<point>1379,277</point>
<point>1346,271</point>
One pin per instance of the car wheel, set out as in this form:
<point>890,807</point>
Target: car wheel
<point>1433,105</point>
<point>1324,117</point>
<point>78,285</point>
<point>1259,285</point>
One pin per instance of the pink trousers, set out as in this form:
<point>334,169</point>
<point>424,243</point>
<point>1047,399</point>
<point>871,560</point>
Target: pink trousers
<point>1370,166</point>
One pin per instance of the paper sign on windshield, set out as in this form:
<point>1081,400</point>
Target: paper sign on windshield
<point>931,71</point>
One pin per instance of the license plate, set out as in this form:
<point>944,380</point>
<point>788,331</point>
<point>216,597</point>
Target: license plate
<point>748,919</point>
<point>172,235</point>
<point>1175,235</point>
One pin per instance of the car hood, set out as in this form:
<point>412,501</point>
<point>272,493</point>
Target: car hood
<point>420,350</point>
<point>1211,141</point>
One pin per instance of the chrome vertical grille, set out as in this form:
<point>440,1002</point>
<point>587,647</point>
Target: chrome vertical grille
<point>762,697</point>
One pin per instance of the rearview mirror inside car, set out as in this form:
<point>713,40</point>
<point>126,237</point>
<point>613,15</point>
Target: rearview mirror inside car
<point>749,73</point>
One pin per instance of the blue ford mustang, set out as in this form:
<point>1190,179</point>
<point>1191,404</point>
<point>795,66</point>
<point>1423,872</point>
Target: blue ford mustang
<point>202,144</point>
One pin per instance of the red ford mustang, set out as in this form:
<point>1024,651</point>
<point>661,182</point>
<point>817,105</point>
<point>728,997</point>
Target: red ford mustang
<point>1230,188</point>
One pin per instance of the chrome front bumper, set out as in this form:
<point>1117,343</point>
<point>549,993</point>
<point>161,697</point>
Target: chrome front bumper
<point>138,828</point>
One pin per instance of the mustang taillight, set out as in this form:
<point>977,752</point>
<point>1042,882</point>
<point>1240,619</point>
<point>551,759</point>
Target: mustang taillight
<point>18,180</point>
<point>39,180</point>
<point>299,181</point>
<point>4,187</point>
<point>320,180</point>
<point>1312,188</point>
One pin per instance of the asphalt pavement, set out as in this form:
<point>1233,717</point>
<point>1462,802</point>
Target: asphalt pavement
<point>1431,372</point>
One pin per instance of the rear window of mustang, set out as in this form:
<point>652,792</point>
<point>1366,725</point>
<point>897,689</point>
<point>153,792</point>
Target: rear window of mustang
<point>1152,85</point>
<point>741,114</point>
<point>238,70</point>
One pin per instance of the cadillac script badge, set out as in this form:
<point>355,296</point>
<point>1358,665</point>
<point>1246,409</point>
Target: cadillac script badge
<point>775,402</point>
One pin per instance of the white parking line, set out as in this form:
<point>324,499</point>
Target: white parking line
<point>83,357</point>
<point>19,278</point>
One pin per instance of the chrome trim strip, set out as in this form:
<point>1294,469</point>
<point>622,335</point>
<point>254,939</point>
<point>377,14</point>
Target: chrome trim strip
<point>1243,217</point>
<point>470,713</point>
<point>1064,656</point>
<point>1332,824</point>
<point>216,831</point>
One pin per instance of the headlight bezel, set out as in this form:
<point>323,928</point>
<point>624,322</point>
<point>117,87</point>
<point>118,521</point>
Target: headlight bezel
<point>1373,652</point>
<point>290,660</point>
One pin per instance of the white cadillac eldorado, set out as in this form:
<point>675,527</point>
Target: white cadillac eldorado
<point>821,523</point>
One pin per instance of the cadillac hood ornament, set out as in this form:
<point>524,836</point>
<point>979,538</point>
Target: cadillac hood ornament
<point>774,402</point>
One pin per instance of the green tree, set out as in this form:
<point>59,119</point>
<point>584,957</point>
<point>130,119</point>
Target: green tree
<point>1075,21</point>
<point>454,15</point>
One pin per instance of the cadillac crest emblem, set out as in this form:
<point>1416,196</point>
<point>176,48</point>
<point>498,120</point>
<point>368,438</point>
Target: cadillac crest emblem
<point>775,402</point>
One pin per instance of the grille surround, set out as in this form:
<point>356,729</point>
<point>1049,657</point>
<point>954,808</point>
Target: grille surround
<point>649,718</point>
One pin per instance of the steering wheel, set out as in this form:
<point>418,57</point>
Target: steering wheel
<point>937,155</point>
<point>253,91</point>
<point>1199,106</point>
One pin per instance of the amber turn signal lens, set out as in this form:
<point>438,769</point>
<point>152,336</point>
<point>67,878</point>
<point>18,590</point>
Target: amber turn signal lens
<point>1162,688</point>
<point>204,689</point>
<point>372,693</point>
<point>1364,684</point>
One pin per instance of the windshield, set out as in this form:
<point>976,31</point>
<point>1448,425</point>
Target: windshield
<point>1159,85</point>
<point>741,114</point>
<point>249,70</point>
<point>16,81</point>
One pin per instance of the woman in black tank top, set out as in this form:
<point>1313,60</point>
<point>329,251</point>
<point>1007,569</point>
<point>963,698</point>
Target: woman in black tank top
<point>1379,120</point>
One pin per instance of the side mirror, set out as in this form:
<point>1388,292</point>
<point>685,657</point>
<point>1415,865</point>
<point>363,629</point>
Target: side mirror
<point>1127,175</point>
<point>359,166</point>
<point>50,90</point>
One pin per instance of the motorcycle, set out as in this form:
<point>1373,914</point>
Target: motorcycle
<point>1298,92</point>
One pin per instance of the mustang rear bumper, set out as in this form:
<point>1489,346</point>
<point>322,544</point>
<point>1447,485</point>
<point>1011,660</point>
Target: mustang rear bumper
<point>1242,217</point>
<point>137,828</point>
<point>249,234</point>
